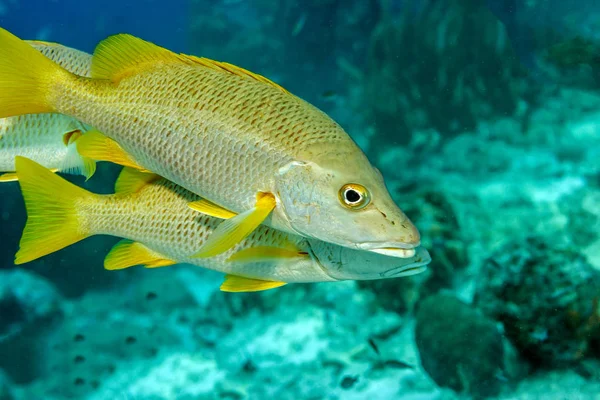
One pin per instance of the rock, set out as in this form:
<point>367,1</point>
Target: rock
<point>546,295</point>
<point>460,348</point>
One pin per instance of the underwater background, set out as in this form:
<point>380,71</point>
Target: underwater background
<point>484,118</point>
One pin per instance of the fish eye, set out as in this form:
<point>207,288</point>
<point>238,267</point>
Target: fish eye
<point>354,196</point>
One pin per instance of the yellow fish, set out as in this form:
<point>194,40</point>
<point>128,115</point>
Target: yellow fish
<point>240,141</point>
<point>159,228</point>
<point>49,139</point>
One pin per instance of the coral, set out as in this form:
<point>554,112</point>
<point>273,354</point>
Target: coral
<point>546,295</point>
<point>445,66</point>
<point>462,349</point>
<point>29,307</point>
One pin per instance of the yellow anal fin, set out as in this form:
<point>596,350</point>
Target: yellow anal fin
<point>128,253</point>
<point>209,208</point>
<point>95,145</point>
<point>234,283</point>
<point>119,56</point>
<point>233,230</point>
<point>9,177</point>
<point>54,211</point>
<point>74,162</point>
<point>13,176</point>
<point>266,253</point>
<point>131,180</point>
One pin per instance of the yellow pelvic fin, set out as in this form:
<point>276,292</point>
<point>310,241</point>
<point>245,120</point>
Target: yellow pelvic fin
<point>234,283</point>
<point>232,69</point>
<point>131,180</point>
<point>27,78</point>
<point>75,163</point>
<point>128,253</point>
<point>233,230</point>
<point>95,145</point>
<point>53,211</point>
<point>119,56</point>
<point>209,208</point>
<point>266,253</point>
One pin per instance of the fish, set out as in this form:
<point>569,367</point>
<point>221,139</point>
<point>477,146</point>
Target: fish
<point>158,228</point>
<point>240,141</point>
<point>49,139</point>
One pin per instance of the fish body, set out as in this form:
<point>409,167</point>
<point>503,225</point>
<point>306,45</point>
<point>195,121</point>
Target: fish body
<point>240,141</point>
<point>49,139</point>
<point>153,214</point>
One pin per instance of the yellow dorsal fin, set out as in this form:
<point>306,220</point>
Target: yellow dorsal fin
<point>233,230</point>
<point>234,283</point>
<point>266,253</point>
<point>54,211</point>
<point>96,146</point>
<point>128,253</point>
<point>121,55</point>
<point>209,208</point>
<point>232,69</point>
<point>131,180</point>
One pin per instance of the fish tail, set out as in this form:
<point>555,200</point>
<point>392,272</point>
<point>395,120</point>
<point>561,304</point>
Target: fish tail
<point>54,215</point>
<point>27,78</point>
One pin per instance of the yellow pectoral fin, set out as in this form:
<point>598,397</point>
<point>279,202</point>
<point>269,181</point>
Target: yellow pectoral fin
<point>209,208</point>
<point>234,283</point>
<point>95,145</point>
<point>266,253</point>
<point>128,253</point>
<point>234,230</point>
<point>131,180</point>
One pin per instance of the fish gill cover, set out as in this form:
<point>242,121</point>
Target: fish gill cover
<point>483,117</point>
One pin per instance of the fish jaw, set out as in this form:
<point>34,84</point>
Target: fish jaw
<point>398,250</point>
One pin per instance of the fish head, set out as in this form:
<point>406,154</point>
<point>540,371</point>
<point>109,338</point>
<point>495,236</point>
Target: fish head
<point>343,263</point>
<point>345,205</point>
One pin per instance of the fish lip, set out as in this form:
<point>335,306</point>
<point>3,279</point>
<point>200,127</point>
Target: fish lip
<point>422,259</point>
<point>394,249</point>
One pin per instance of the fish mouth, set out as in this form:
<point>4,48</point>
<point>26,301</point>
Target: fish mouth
<point>421,259</point>
<point>399,250</point>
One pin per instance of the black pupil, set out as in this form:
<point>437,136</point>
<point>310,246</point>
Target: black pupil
<point>352,196</point>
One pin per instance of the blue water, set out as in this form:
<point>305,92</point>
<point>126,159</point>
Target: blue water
<point>483,116</point>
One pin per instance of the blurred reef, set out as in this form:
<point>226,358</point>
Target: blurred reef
<point>485,123</point>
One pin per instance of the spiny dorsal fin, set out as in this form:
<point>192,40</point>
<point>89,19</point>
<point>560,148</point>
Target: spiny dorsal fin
<point>121,55</point>
<point>128,253</point>
<point>232,69</point>
<point>234,283</point>
<point>131,180</point>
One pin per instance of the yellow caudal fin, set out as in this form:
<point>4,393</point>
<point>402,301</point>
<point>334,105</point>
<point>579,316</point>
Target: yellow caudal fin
<point>96,146</point>
<point>52,206</point>
<point>234,283</point>
<point>75,163</point>
<point>27,78</point>
<point>233,230</point>
<point>128,253</point>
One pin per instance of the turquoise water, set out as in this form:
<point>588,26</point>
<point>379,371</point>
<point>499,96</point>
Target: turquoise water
<point>484,119</point>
